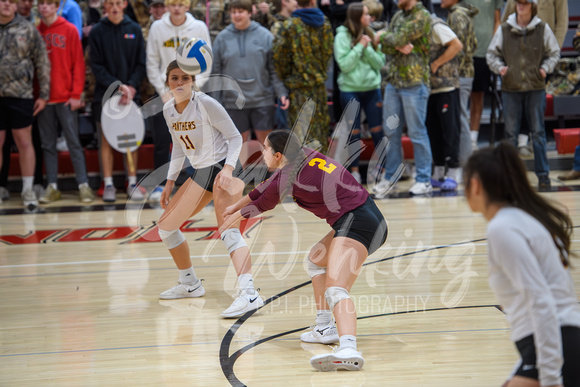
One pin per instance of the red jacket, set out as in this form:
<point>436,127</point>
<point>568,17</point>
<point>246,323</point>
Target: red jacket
<point>67,63</point>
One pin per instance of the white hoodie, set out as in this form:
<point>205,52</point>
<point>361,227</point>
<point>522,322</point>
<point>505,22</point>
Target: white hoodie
<point>162,42</point>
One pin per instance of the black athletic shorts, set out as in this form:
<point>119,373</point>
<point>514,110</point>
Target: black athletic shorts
<point>482,77</point>
<point>204,177</point>
<point>571,349</point>
<point>365,224</point>
<point>16,113</point>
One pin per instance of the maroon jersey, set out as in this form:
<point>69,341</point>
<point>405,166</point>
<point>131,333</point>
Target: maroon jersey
<point>323,187</point>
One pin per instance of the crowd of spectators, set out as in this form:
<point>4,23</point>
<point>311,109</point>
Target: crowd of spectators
<point>411,72</point>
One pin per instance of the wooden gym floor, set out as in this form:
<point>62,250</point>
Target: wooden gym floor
<point>79,306</point>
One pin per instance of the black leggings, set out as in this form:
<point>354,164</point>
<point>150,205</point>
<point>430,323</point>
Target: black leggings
<point>570,348</point>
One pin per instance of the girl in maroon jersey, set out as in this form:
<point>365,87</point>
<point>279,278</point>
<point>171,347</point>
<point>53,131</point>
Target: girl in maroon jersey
<point>322,186</point>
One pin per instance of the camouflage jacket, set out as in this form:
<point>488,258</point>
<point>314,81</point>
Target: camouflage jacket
<point>22,52</point>
<point>275,29</point>
<point>413,26</point>
<point>461,22</point>
<point>218,14</point>
<point>565,79</point>
<point>302,53</point>
<point>447,75</point>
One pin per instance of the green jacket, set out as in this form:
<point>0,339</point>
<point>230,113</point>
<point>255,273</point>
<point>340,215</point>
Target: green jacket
<point>360,67</point>
<point>413,26</point>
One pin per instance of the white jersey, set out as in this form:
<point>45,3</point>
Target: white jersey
<point>532,285</point>
<point>203,132</point>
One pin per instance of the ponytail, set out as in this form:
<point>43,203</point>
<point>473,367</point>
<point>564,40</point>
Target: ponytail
<point>504,179</point>
<point>285,142</point>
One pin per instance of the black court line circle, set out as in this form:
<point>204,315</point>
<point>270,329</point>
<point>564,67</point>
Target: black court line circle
<point>227,362</point>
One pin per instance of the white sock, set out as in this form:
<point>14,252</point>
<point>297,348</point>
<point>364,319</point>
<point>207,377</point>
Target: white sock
<point>53,185</point>
<point>474,135</point>
<point>323,317</point>
<point>438,172</point>
<point>108,181</point>
<point>132,180</point>
<point>27,182</point>
<point>187,276</point>
<point>453,173</point>
<point>348,341</point>
<point>83,185</point>
<point>245,281</point>
<point>522,140</point>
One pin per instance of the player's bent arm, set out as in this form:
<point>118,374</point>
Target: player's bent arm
<point>237,206</point>
<point>231,220</point>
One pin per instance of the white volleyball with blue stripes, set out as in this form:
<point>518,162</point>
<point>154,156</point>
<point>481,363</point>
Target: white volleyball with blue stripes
<point>194,56</point>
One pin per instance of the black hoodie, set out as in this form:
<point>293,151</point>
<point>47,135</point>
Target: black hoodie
<point>116,53</point>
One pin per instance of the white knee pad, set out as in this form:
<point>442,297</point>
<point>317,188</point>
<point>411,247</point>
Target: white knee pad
<point>313,269</point>
<point>233,239</point>
<point>172,239</point>
<point>334,295</point>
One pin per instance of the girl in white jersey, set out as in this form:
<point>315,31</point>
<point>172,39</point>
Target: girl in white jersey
<point>529,245</point>
<point>203,132</point>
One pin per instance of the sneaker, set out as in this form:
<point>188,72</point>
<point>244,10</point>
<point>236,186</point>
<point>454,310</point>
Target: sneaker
<point>109,194</point>
<point>525,151</point>
<point>50,195</point>
<point>448,184</point>
<point>4,193</point>
<point>357,176</point>
<point>38,190</point>
<point>323,334</point>
<point>183,291</point>
<point>474,145</point>
<point>29,198</point>
<point>544,183</point>
<point>572,175</point>
<point>340,359</point>
<point>156,195</point>
<point>244,302</point>
<point>135,192</point>
<point>436,183</point>
<point>382,189</point>
<point>86,194</point>
<point>421,188</point>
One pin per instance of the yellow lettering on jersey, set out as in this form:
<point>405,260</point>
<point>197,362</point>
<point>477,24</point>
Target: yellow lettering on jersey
<point>183,126</point>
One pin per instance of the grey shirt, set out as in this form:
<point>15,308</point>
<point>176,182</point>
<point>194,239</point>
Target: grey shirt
<point>246,56</point>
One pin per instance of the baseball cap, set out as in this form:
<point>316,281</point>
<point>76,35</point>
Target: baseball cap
<point>153,2</point>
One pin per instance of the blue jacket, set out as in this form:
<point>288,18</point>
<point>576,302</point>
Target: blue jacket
<point>71,11</point>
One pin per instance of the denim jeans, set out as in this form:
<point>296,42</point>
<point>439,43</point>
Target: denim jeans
<point>465,136</point>
<point>532,104</point>
<point>370,104</point>
<point>407,106</point>
<point>576,166</point>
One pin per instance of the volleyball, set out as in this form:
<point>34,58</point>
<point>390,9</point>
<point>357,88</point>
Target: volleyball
<point>194,56</point>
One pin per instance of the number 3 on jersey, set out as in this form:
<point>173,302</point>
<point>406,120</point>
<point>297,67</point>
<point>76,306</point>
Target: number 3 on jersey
<point>187,142</point>
<point>322,165</point>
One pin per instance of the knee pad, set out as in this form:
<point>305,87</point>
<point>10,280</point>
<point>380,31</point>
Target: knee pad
<point>233,239</point>
<point>172,239</point>
<point>334,295</point>
<point>313,269</point>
